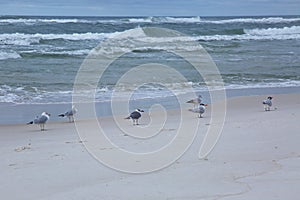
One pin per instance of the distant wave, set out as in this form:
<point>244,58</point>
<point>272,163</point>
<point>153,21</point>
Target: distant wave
<point>285,33</point>
<point>155,20</point>
<point>268,20</point>
<point>294,30</point>
<point>181,19</point>
<point>108,20</point>
<point>140,20</point>
<point>28,39</point>
<point>197,19</point>
<point>35,21</point>
<point>44,53</point>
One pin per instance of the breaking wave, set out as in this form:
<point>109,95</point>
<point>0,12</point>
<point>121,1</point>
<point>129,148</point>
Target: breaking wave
<point>9,55</point>
<point>249,34</point>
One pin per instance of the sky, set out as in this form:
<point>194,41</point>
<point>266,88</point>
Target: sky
<point>150,7</point>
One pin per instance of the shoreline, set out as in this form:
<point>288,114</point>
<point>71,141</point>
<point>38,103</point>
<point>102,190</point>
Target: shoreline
<point>22,113</point>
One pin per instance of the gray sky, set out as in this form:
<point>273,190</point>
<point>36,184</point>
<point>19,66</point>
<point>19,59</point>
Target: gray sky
<point>150,7</point>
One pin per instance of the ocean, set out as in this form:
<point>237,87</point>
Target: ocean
<point>40,56</point>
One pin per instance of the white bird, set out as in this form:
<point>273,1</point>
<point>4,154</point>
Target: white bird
<point>267,103</point>
<point>41,120</point>
<point>135,115</point>
<point>200,109</point>
<point>70,114</point>
<point>196,101</point>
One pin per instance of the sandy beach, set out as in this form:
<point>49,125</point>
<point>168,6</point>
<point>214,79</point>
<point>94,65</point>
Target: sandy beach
<point>257,157</point>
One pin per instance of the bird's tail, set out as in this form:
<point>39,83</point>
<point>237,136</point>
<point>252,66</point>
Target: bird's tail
<point>61,115</point>
<point>30,122</point>
<point>127,117</point>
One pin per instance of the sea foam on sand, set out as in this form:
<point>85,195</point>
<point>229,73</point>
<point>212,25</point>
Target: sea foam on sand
<point>257,157</point>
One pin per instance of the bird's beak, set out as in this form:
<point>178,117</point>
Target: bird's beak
<point>49,114</point>
<point>205,104</point>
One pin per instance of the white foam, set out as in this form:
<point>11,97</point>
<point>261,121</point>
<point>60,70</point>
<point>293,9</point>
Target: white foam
<point>197,19</point>
<point>285,83</point>
<point>268,20</point>
<point>93,21</point>
<point>284,33</point>
<point>27,39</point>
<point>130,33</point>
<point>6,94</point>
<point>182,19</point>
<point>34,21</point>
<point>248,37</point>
<point>21,95</point>
<point>294,30</point>
<point>9,55</point>
<point>71,52</point>
<point>141,20</point>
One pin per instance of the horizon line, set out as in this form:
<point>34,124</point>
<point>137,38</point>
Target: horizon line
<point>27,15</point>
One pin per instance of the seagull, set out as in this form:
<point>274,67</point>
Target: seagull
<point>70,114</point>
<point>267,103</point>
<point>41,120</point>
<point>135,115</point>
<point>201,109</point>
<point>195,101</point>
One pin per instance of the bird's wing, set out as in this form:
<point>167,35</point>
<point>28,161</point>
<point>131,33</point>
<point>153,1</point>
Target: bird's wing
<point>135,115</point>
<point>43,119</point>
<point>201,109</point>
<point>268,102</point>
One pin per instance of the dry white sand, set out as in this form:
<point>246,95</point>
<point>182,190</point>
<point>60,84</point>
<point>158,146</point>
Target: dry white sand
<point>257,157</point>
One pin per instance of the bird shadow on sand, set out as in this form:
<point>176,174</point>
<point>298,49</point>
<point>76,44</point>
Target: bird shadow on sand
<point>40,131</point>
<point>66,122</point>
<point>266,111</point>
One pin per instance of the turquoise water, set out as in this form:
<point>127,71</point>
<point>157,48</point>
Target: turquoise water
<point>40,56</point>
